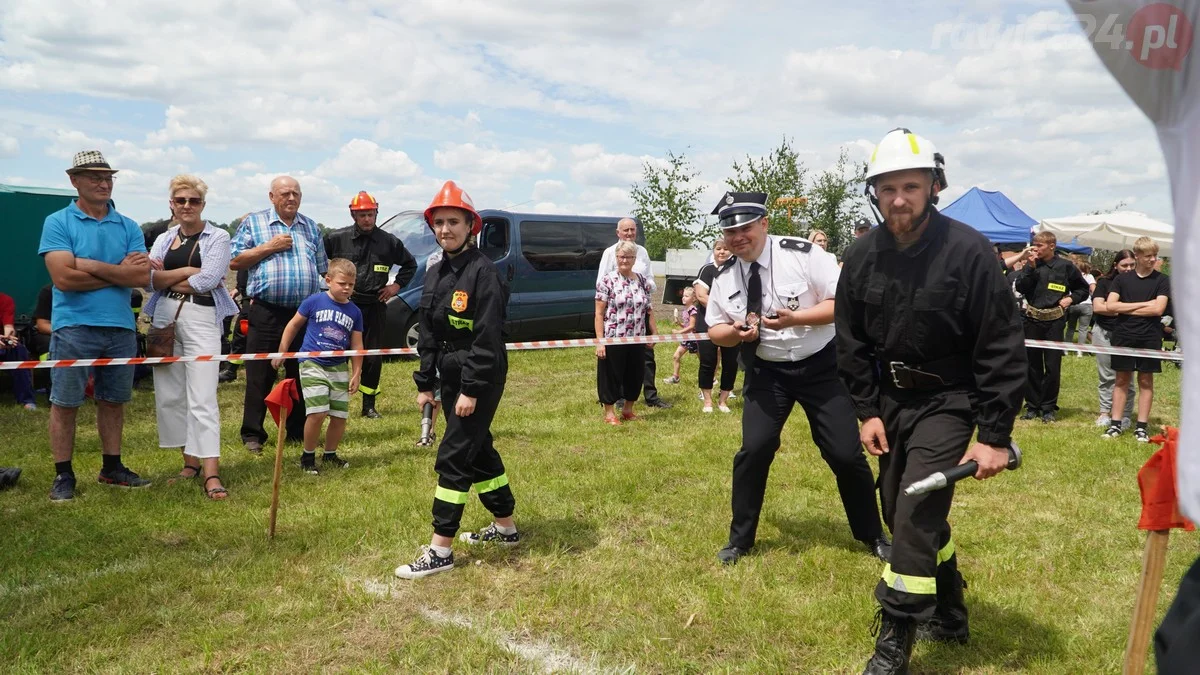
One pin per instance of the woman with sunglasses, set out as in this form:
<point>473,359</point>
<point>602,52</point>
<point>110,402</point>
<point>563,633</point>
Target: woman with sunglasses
<point>188,266</point>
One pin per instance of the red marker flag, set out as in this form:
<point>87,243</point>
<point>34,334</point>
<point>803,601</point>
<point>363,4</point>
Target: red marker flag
<point>1160,507</point>
<point>281,398</point>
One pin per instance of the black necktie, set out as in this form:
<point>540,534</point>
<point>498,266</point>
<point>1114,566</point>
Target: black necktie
<point>753,306</point>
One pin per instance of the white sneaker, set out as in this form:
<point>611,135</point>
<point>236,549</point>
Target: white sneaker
<point>732,396</point>
<point>723,408</point>
<point>706,409</point>
<point>427,563</point>
<point>1103,421</point>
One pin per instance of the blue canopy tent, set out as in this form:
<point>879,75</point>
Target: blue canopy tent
<point>1000,220</point>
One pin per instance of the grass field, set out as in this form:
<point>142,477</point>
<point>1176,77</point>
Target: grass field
<point>617,572</point>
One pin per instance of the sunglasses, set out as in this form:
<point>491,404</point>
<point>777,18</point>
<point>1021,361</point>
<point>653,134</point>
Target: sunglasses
<point>182,201</point>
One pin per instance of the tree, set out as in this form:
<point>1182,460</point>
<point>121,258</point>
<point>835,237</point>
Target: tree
<point>829,202</point>
<point>1101,260</point>
<point>665,201</point>
<point>779,174</point>
<point>835,199</point>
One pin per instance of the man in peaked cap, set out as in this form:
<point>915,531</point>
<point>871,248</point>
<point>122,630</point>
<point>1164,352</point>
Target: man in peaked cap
<point>776,304</point>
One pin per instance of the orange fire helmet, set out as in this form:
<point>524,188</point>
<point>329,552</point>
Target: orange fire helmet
<point>363,201</point>
<point>452,195</point>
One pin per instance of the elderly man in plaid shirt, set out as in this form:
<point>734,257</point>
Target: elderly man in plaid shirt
<point>283,251</point>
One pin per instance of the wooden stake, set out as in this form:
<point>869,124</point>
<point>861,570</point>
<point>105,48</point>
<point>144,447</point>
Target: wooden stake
<point>1153,561</point>
<point>281,437</point>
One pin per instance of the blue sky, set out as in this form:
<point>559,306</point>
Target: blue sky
<point>553,105</point>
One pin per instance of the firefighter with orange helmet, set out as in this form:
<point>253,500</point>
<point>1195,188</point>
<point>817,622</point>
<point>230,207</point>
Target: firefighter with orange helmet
<point>374,252</point>
<point>461,322</point>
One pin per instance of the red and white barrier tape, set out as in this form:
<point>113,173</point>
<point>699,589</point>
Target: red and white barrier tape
<point>512,346</point>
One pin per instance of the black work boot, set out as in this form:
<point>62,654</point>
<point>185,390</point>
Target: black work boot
<point>228,372</point>
<point>368,408</point>
<point>893,644</point>
<point>949,621</point>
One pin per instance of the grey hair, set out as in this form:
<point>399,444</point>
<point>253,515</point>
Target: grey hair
<point>626,247</point>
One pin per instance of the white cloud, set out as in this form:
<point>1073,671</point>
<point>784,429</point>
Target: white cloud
<point>365,160</point>
<point>593,166</point>
<point>470,158</point>
<point>546,190</point>
<point>9,146</point>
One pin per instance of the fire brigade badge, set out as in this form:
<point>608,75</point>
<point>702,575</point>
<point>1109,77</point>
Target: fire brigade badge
<point>459,302</point>
<point>793,303</point>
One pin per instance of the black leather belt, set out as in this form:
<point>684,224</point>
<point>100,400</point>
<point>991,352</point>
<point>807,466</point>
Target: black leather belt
<point>206,300</point>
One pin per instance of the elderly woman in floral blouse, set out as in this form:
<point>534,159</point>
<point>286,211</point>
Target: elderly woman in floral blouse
<point>623,309</point>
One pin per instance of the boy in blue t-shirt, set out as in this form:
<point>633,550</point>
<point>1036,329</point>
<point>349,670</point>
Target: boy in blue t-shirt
<point>333,323</point>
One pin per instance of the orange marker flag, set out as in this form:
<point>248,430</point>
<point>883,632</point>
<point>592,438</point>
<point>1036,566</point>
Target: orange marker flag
<point>1160,506</point>
<point>281,398</point>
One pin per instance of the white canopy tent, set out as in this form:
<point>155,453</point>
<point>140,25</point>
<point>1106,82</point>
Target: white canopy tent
<point>1113,231</point>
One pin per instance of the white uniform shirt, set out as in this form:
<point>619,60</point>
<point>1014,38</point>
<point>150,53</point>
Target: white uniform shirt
<point>791,279</point>
<point>1171,99</point>
<point>608,263</point>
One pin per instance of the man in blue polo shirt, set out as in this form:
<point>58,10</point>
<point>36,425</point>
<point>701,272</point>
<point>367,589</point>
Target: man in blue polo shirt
<point>285,255</point>
<point>95,256</point>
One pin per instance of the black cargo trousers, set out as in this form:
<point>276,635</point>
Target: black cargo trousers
<point>466,457</point>
<point>927,431</point>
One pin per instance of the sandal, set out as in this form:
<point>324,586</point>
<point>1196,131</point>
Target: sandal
<point>183,476</point>
<point>218,493</point>
<point>613,420</point>
<point>629,418</point>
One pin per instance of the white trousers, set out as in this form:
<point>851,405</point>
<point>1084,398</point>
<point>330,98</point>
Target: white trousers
<point>186,393</point>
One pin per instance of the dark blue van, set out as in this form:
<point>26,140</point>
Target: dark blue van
<point>550,263</point>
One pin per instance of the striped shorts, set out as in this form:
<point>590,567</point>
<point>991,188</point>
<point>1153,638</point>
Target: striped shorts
<point>326,388</point>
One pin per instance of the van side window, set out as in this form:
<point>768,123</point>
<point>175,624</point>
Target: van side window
<point>596,238</point>
<point>493,239</point>
<point>553,247</point>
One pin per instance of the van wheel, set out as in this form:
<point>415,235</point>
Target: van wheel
<point>412,332</point>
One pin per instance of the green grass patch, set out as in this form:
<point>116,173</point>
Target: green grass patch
<point>617,571</point>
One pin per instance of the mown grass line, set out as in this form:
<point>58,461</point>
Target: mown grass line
<point>618,566</point>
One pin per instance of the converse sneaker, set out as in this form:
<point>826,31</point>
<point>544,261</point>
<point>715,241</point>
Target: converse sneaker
<point>1141,435</point>
<point>1111,432</point>
<point>308,466</point>
<point>490,535</point>
<point>427,563</point>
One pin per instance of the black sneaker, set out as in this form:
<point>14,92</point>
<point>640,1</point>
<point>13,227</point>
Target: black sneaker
<point>1141,435</point>
<point>731,554</point>
<point>309,467</point>
<point>427,563</point>
<point>63,489</point>
<point>1030,415</point>
<point>490,535</point>
<point>1049,418</point>
<point>371,413</point>
<point>658,403</point>
<point>122,477</point>
<point>332,461</point>
<point>8,477</point>
<point>1111,432</point>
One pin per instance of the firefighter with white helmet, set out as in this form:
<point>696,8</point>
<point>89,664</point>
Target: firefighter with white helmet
<point>461,318</point>
<point>930,345</point>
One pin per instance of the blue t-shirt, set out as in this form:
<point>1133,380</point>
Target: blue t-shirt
<point>109,241</point>
<point>329,326</point>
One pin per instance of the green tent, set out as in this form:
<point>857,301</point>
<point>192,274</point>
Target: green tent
<point>23,210</point>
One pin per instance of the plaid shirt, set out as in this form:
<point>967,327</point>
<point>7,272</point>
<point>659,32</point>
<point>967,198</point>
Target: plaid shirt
<point>288,277</point>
